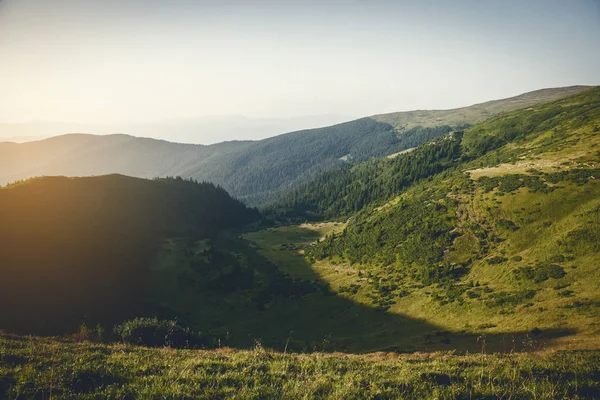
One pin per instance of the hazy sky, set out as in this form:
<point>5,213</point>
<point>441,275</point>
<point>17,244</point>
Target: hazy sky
<point>113,61</point>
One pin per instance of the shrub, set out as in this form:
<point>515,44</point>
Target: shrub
<point>541,272</point>
<point>496,260</point>
<point>555,271</point>
<point>501,299</point>
<point>507,224</point>
<point>536,331</point>
<point>153,332</point>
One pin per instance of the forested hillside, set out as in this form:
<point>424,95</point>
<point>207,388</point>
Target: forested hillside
<point>73,249</point>
<point>474,227</point>
<point>256,172</point>
<point>431,248</point>
<point>340,193</point>
<point>95,252</point>
<point>267,169</point>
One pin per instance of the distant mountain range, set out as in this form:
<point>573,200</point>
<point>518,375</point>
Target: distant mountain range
<point>204,130</point>
<point>256,172</point>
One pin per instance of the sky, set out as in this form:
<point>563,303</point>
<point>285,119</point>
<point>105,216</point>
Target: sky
<point>124,63</point>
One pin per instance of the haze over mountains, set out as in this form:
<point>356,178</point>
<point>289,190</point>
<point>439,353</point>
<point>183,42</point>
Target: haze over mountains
<point>206,130</point>
<point>255,171</point>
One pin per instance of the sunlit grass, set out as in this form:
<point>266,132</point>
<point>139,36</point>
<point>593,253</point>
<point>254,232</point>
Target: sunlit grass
<point>46,368</point>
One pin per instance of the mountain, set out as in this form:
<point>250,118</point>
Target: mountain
<point>84,155</point>
<point>495,228</point>
<point>255,171</point>
<point>88,252</point>
<point>73,249</point>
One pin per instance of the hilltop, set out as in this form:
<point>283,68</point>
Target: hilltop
<point>476,113</point>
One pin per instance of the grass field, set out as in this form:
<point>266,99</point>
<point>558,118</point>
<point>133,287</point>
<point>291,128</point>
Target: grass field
<point>36,368</point>
<point>283,245</point>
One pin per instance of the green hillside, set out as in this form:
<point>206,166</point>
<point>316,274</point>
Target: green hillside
<point>478,252</point>
<point>491,230</point>
<point>80,249</point>
<point>101,250</point>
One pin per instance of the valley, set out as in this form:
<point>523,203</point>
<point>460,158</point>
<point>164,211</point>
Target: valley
<point>475,253</point>
<point>256,200</point>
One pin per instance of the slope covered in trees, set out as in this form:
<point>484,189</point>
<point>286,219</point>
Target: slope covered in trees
<point>491,231</point>
<point>81,248</point>
<point>507,227</point>
<point>85,155</point>
<point>340,193</point>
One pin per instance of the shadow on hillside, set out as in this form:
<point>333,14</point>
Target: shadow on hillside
<point>256,305</point>
<point>324,321</point>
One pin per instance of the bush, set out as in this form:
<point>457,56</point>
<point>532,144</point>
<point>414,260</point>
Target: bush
<point>496,260</point>
<point>541,272</point>
<point>507,224</point>
<point>153,332</point>
<point>502,299</point>
<point>555,271</point>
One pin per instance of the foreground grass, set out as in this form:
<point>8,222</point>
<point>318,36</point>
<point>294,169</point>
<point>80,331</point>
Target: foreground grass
<point>48,368</point>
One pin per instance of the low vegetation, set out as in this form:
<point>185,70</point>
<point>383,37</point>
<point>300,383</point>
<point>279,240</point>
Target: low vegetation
<point>47,368</point>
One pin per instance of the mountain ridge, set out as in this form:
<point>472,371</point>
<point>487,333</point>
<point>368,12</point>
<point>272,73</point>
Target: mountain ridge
<point>257,172</point>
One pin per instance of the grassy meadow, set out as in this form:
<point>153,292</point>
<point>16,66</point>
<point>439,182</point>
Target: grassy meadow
<point>38,368</point>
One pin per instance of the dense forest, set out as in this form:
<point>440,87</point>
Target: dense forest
<point>340,193</point>
<point>275,165</point>
<point>345,191</point>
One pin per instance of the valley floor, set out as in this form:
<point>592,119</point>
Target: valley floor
<point>415,322</point>
<point>42,368</point>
